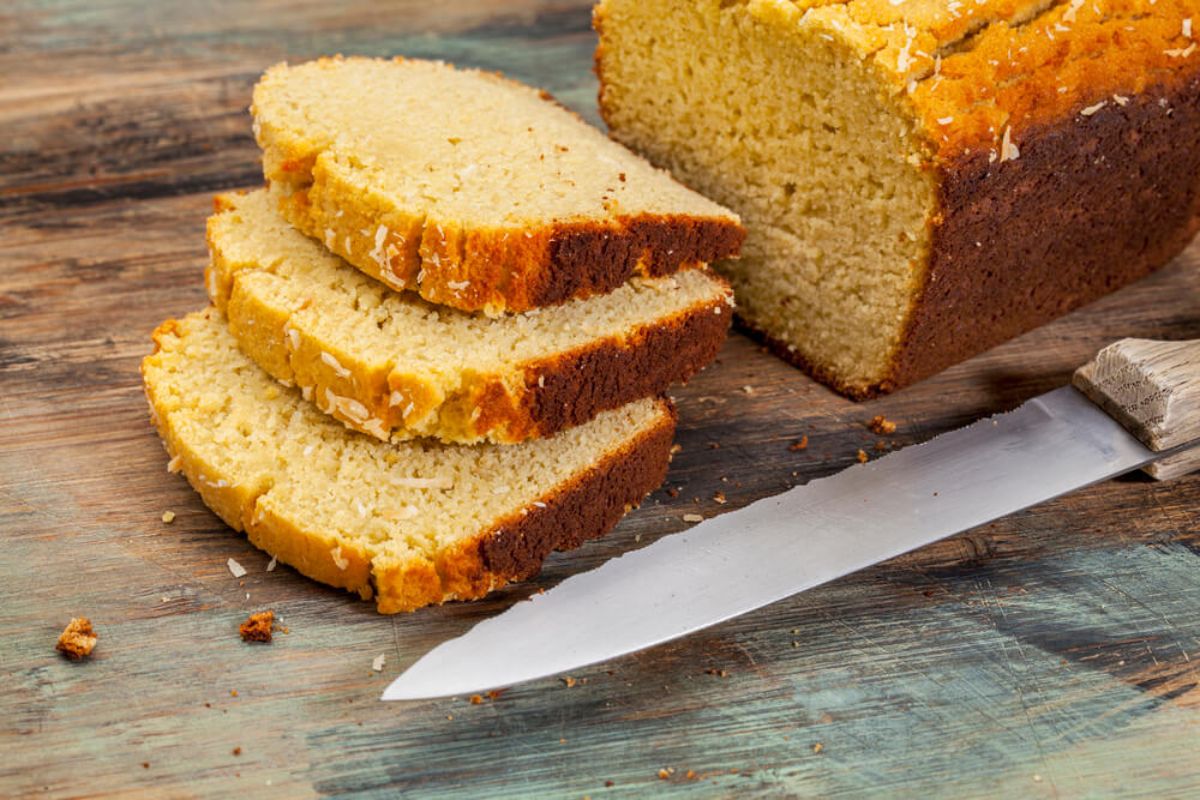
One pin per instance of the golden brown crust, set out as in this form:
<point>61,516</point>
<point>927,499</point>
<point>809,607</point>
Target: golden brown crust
<point>1071,57</point>
<point>586,508</point>
<point>498,271</point>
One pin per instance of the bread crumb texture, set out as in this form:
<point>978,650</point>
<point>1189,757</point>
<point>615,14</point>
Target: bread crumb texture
<point>869,145</point>
<point>77,640</point>
<point>395,366</point>
<point>496,198</point>
<point>258,627</point>
<point>410,524</point>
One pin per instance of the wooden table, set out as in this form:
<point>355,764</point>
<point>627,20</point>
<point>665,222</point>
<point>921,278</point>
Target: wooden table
<point>1053,653</point>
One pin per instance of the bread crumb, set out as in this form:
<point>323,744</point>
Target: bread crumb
<point>719,498</point>
<point>690,775</point>
<point>720,673</point>
<point>77,639</point>
<point>881,425</point>
<point>665,773</point>
<point>168,517</point>
<point>237,569</point>
<point>233,693</point>
<point>476,699</point>
<point>237,751</point>
<point>145,765</point>
<point>862,456</point>
<point>818,747</point>
<point>378,662</point>
<point>801,444</point>
<point>692,518</point>
<point>257,627</point>
<point>271,564</point>
<point>568,681</point>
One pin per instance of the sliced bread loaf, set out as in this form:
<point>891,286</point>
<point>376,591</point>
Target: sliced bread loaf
<point>390,364</point>
<point>474,191</point>
<point>409,524</point>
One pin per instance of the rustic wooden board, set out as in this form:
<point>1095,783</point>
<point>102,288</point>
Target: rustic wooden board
<point>1053,653</point>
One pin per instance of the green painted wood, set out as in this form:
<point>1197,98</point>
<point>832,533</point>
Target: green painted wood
<point>1051,654</point>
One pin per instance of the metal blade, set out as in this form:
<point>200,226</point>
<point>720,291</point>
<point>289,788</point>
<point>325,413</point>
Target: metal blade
<point>782,545</point>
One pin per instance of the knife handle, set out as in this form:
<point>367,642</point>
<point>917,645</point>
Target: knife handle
<point>1153,389</point>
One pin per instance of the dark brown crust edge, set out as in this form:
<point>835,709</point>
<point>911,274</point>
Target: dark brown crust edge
<point>572,388</point>
<point>586,509</point>
<point>1092,204</point>
<point>587,259</point>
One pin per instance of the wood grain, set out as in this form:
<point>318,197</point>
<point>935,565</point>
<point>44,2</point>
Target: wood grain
<point>1053,653</point>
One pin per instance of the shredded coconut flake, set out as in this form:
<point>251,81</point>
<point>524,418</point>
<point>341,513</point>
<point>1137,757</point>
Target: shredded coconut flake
<point>1187,28</point>
<point>378,254</point>
<point>341,561</point>
<point>335,365</point>
<point>692,518</point>
<point>237,569</point>
<point>174,464</point>
<point>1087,112</point>
<point>292,336</point>
<point>272,563</point>
<point>378,662</point>
<point>1008,150</point>
<point>1120,99</point>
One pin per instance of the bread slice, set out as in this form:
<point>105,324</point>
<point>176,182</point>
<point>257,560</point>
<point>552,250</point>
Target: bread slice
<point>409,524</point>
<point>475,191</point>
<point>920,180</point>
<point>392,365</point>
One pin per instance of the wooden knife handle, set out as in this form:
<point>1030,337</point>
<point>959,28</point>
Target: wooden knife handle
<point>1153,389</point>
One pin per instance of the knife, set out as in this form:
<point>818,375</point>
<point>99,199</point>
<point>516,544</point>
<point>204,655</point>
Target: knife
<point>1136,405</point>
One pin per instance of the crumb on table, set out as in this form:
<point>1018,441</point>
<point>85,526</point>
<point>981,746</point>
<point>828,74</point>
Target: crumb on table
<point>862,456</point>
<point>168,517</point>
<point>881,425</point>
<point>77,639</point>
<point>257,627</point>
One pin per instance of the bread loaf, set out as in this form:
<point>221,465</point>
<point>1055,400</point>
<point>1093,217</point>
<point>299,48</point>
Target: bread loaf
<point>920,179</point>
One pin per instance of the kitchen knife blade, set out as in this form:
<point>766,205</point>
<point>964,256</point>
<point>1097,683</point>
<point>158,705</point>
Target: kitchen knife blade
<point>785,544</point>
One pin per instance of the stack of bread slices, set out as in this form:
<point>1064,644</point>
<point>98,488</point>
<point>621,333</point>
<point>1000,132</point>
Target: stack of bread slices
<point>441,334</point>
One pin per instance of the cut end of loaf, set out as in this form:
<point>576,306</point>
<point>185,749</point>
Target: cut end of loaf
<point>788,126</point>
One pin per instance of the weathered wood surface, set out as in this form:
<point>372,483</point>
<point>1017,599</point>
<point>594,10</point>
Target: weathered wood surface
<point>1054,653</point>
